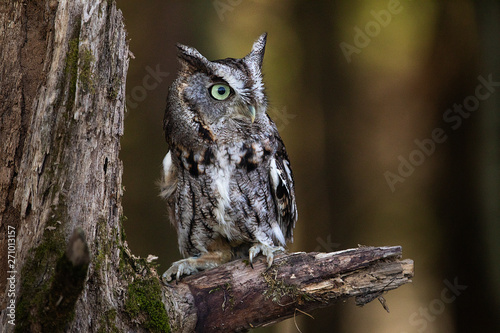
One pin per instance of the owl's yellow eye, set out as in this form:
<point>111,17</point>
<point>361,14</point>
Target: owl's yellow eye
<point>220,91</point>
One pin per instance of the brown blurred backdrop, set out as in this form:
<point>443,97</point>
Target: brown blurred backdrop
<point>390,114</point>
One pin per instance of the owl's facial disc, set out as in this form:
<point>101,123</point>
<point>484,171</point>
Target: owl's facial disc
<point>222,92</point>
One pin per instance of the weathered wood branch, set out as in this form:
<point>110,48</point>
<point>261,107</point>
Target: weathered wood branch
<point>235,297</point>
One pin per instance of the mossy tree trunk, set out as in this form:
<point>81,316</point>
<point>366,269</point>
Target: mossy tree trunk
<point>62,95</point>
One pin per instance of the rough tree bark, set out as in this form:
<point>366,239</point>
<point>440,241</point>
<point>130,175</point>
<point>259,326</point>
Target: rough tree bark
<point>63,68</point>
<point>65,264</point>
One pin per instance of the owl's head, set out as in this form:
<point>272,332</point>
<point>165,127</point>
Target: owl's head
<point>215,95</point>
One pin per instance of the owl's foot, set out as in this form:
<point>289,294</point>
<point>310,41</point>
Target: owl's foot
<point>193,265</point>
<point>266,250</point>
<point>182,267</point>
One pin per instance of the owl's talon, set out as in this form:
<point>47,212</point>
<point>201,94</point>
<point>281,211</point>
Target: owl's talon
<point>182,267</point>
<point>266,250</point>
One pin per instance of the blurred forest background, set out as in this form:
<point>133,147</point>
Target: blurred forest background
<point>390,114</point>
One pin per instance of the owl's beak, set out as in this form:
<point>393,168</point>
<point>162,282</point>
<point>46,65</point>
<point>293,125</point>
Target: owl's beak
<point>251,110</point>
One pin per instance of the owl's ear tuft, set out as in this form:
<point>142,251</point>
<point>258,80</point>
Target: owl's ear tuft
<point>256,56</point>
<point>190,58</point>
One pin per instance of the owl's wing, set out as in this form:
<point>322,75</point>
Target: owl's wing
<point>168,181</point>
<point>283,190</point>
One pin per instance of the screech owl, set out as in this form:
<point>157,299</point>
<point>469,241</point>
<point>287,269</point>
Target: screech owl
<point>226,178</point>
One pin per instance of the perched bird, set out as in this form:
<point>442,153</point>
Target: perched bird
<point>226,178</point>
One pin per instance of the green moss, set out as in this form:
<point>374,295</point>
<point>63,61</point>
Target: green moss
<point>123,236</point>
<point>278,289</point>
<point>99,260</point>
<point>86,74</point>
<point>144,304</point>
<point>66,286</point>
<point>107,322</point>
<point>125,266</point>
<point>114,88</point>
<point>78,68</point>
<point>105,242</point>
<point>215,290</point>
<point>102,245</point>
<point>36,278</point>
<point>122,264</point>
<point>228,298</point>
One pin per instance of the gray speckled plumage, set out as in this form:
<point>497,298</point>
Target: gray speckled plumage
<point>227,178</point>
